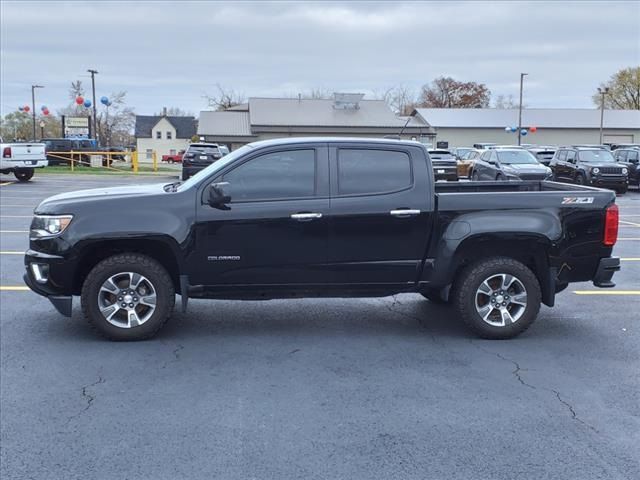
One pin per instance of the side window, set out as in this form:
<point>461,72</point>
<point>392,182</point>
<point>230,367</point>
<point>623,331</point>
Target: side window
<point>277,175</point>
<point>168,135</point>
<point>172,151</point>
<point>633,156</point>
<point>571,156</point>
<point>485,156</point>
<point>158,134</point>
<point>621,155</point>
<point>362,171</point>
<point>562,155</point>
<point>494,157</point>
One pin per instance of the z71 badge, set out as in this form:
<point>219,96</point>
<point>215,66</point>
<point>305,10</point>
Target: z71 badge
<point>573,200</point>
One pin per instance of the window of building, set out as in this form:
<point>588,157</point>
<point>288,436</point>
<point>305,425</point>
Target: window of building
<point>278,175</point>
<point>149,153</point>
<point>158,134</point>
<point>168,135</point>
<point>363,171</point>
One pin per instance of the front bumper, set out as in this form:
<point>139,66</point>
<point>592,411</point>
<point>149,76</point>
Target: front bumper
<point>48,275</point>
<point>609,181</point>
<point>606,268</point>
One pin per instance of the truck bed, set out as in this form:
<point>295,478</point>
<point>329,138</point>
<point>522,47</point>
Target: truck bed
<point>511,186</point>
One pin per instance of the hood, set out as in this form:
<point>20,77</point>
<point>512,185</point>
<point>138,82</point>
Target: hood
<point>522,168</point>
<point>60,203</point>
<point>602,164</point>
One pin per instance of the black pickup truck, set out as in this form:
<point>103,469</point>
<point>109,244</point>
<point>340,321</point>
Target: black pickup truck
<point>320,217</point>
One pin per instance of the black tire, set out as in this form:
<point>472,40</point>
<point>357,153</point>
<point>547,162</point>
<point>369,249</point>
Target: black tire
<point>119,264</point>
<point>475,177</point>
<point>465,291</point>
<point>580,179</point>
<point>170,161</point>
<point>24,174</point>
<point>434,296</point>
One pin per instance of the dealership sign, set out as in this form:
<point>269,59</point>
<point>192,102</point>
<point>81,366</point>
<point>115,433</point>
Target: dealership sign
<point>76,126</point>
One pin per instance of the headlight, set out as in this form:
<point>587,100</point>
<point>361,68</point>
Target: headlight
<point>625,171</point>
<point>43,226</point>
<point>595,170</point>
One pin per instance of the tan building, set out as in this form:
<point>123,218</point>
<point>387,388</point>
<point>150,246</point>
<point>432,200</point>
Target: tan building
<point>345,115</point>
<point>163,134</point>
<point>462,127</point>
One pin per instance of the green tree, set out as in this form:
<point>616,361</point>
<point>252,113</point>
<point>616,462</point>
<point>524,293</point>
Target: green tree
<point>624,90</point>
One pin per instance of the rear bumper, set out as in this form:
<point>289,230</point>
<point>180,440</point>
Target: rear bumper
<point>22,164</point>
<point>606,268</point>
<point>445,173</point>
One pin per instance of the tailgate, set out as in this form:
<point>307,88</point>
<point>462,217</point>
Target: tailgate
<point>27,151</point>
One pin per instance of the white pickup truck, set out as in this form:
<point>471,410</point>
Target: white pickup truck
<point>21,159</point>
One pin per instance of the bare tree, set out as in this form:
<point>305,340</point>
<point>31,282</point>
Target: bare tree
<point>175,112</point>
<point>446,92</point>
<point>116,122</point>
<point>624,90</point>
<point>225,98</point>
<point>400,98</point>
<point>506,101</point>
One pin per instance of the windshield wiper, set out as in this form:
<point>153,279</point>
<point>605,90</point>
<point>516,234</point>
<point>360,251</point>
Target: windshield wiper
<point>172,187</point>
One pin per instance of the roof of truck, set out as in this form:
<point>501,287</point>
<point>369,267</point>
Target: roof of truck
<point>361,140</point>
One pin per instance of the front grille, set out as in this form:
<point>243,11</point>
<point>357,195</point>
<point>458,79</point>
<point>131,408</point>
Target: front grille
<point>611,170</point>
<point>533,176</point>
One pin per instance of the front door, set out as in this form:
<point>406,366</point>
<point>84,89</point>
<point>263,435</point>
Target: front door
<point>380,213</point>
<point>274,230</point>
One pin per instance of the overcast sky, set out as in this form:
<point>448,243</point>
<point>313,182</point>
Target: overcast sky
<point>172,53</point>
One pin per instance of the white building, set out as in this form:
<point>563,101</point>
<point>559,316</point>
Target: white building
<point>163,134</point>
<point>462,127</point>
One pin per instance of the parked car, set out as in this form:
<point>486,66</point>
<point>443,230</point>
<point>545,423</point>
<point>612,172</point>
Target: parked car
<point>444,164</point>
<point>616,146</point>
<point>460,152</point>
<point>314,217</point>
<point>173,157</point>
<point>198,157</point>
<point>509,164</point>
<point>589,166</point>
<point>499,147</point>
<point>543,154</point>
<point>465,164</point>
<point>58,149</point>
<point>483,146</point>
<point>22,159</point>
<point>630,158</point>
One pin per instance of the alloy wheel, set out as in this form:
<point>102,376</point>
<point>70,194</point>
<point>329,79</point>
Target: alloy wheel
<point>127,299</point>
<point>501,300</point>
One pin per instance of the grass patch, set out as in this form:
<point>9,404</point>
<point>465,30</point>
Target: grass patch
<point>80,170</point>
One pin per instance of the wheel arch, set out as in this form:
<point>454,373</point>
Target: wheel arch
<point>164,251</point>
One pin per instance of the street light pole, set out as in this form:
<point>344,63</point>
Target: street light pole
<point>33,107</point>
<point>603,92</point>
<point>522,75</point>
<point>93,89</point>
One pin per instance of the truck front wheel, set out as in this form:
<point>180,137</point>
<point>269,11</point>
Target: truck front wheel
<point>24,174</point>
<point>497,298</point>
<point>128,296</point>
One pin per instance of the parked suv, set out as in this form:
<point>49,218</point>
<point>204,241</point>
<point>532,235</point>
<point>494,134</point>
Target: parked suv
<point>593,166</point>
<point>543,154</point>
<point>630,157</point>
<point>509,164</point>
<point>199,156</point>
<point>445,166</point>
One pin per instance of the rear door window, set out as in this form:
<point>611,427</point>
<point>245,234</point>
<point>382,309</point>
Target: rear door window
<point>368,171</point>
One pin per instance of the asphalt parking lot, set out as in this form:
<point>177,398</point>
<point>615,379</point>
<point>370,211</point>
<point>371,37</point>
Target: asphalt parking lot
<point>391,388</point>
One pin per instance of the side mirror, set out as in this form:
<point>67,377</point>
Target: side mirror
<point>216,197</point>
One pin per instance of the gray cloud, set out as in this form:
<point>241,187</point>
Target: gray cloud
<point>171,53</point>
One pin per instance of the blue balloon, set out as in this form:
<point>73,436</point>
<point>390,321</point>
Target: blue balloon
<point>43,108</point>
<point>87,103</point>
<point>104,100</point>
<point>514,129</point>
<point>20,108</point>
<point>523,132</point>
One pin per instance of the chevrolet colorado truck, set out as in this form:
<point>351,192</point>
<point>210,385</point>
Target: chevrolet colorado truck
<point>21,159</point>
<point>321,217</point>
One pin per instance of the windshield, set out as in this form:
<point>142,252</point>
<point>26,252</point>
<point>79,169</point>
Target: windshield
<point>595,156</point>
<point>437,155</point>
<point>518,157</point>
<point>214,167</point>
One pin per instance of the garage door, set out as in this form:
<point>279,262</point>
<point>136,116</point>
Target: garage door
<point>618,139</point>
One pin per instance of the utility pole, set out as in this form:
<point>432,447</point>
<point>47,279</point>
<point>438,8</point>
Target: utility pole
<point>522,75</point>
<point>93,89</point>
<point>603,92</point>
<point>33,107</point>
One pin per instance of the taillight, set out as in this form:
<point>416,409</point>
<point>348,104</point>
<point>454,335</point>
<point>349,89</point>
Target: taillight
<point>6,153</point>
<point>611,225</point>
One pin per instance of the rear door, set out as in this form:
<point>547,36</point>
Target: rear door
<point>381,208</point>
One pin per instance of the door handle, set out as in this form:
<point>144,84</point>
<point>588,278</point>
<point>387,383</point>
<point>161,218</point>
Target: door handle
<point>407,212</point>
<point>305,216</point>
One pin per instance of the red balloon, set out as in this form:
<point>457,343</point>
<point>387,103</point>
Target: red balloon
<point>46,112</point>
<point>26,108</point>
<point>533,129</point>
<point>79,100</point>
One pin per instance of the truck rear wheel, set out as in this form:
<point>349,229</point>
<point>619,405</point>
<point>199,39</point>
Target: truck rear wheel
<point>497,298</point>
<point>128,296</point>
<point>24,174</point>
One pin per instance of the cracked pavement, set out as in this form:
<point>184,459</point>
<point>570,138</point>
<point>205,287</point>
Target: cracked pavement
<point>391,388</point>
